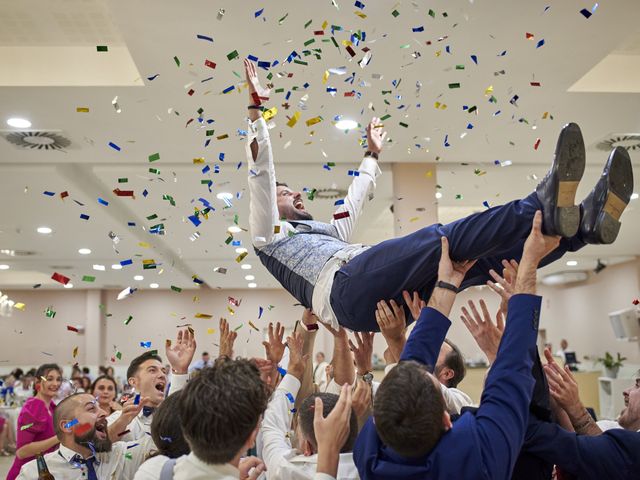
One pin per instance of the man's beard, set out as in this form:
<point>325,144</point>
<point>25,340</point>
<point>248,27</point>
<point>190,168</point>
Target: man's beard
<point>91,441</point>
<point>299,215</point>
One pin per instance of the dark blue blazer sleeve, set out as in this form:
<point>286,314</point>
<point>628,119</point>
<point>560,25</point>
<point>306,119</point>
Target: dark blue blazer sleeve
<point>426,338</point>
<point>503,414</point>
<point>613,455</point>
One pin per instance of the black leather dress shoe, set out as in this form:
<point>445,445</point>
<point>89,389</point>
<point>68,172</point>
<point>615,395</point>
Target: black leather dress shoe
<point>557,191</point>
<point>602,208</point>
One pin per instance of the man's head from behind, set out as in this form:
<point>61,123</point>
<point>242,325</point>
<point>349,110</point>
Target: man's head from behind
<point>409,410</point>
<point>564,344</point>
<point>80,422</point>
<point>630,417</point>
<point>147,375</point>
<point>305,433</point>
<point>290,204</point>
<point>450,369</point>
<point>221,410</point>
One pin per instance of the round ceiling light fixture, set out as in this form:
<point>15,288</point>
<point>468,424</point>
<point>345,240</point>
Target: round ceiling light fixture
<point>346,124</point>
<point>84,251</point>
<point>19,122</point>
<point>44,230</point>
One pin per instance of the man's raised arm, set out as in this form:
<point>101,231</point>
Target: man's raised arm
<point>364,181</point>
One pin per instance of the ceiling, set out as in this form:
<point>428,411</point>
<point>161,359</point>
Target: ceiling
<point>51,68</point>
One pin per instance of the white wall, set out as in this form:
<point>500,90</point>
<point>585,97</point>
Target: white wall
<point>577,313</point>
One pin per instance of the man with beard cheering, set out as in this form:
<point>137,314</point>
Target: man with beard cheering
<point>86,451</point>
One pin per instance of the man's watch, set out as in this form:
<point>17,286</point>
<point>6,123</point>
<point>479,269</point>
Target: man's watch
<point>447,286</point>
<point>311,327</point>
<point>369,153</point>
<point>367,377</point>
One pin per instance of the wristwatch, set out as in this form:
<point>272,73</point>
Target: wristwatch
<point>367,377</point>
<point>312,327</point>
<point>369,153</point>
<point>447,286</point>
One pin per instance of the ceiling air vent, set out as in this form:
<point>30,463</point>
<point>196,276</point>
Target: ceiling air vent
<point>330,193</point>
<point>18,253</point>
<point>38,140</point>
<point>565,278</point>
<point>628,141</point>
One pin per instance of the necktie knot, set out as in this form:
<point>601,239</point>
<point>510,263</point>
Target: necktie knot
<point>146,411</point>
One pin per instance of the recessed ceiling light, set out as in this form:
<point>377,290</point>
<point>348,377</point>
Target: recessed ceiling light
<point>346,124</point>
<point>249,278</point>
<point>634,196</point>
<point>241,250</point>
<point>572,263</point>
<point>438,195</point>
<point>246,266</point>
<point>234,229</point>
<point>252,285</point>
<point>19,123</point>
<point>84,251</point>
<point>69,285</point>
<point>44,230</point>
<point>4,267</point>
<point>138,278</point>
<point>116,266</point>
<point>224,195</point>
<point>153,285</point>
<point>100,268</point>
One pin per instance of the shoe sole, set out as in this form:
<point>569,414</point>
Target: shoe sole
<point>571,164</point>
<point>619,191</point>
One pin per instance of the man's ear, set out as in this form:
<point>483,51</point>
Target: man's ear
<point>307,448</point>
<point>446,421</point>
<point>445,375</point>
<point>133,382</point>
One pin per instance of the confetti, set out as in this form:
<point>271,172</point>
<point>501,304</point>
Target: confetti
<point>586,13</point>
<point>114,146</point>
<point>339,215</point>
<point>103,202</point>
<point>126,322</point>
<point>71,423</point>
<point>293,120</point>
<point>102,48</point>
<point>71,328</point>
<point>203,315</point>
<point>537,144</point>
<point>204,37</point>
<point>49,312</point>
<point>27,426</point>
<point>258,13</point>
<point>82,109</point>
<point>540,43</point>
<point>154,157</point>
<point>75,352</point>
<point>232,55</point>
<point>58,277</point>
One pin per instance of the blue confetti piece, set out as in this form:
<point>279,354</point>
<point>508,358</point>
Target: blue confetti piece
<point>228,89</point>
<point>131,224</point>
<point>360,5</point>
<point>145,193</point>
<point>290,397</point>
<point>145,344</point>
<point>136,400</point>
<point>221,157</point>
<point>204,37</point>
<point>204,202</point>
<point>153,77</point>
<point>195,220</point>
<point>103,202</point>
<point>469,126</point>
<point>264,65</point>
<point>288,95</point>
<point>447,49</point>
<point>540,43</point>
<point>497,113</point>
<point>339,202</point>
<point>486,204</point>
<point>306,85</point>
<point>474,58</point>
<point>281,371</point>
<point>546,8</point>
<point>126,262</point>
<point>418,29</point>
<point>133,445</point>
<point>71,423</point>
<point>197,280</point>
<point>353,173</point>
<point>206,169</point>
<point>586,13</point>
<point>84,216</point>
<point>114,146</point>
<point>260,312</point>
<point>253,58</point>
<point>446,141</point>
<point>502,54</point>
<point>48,194</point>
<point>258,13</point>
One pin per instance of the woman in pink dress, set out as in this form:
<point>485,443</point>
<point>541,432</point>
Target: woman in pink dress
<point>35,422</point>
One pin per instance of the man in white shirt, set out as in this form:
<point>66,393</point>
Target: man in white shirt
<point>450,371</point>
<point>320,372</point>
<point>205,361</point>
<point>149,378</point>
<point>86,452</point>
<point>283,461</point>
<point>564,345</point>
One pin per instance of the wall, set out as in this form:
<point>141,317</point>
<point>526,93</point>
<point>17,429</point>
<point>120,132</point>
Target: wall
<point>578,313</point>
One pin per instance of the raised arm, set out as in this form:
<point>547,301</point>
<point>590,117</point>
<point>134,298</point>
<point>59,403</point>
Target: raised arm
<point>362,185</point>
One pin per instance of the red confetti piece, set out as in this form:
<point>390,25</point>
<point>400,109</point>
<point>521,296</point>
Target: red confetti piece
<point>318,32</point>
<point>72,328</point>
<point>191,92</point>
<point>351,52</point>
<point>209,63</point>
<point>529,35</point>
<point>535,84</point>
<point>537,144</point>
<point>82,428</point>
<point>64,194</point>
<point>256,98</point>
<point>58,277</point>
<point>636,302</point>
<point>338,216</point>
<point>123,193</point>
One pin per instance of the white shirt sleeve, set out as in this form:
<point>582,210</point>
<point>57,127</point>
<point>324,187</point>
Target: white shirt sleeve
<point>134,454</point>
<point>178,382</point>
<point>359,190</point>
<point>323,476</point>
<point>277,424</point>
<point>455,399</point>
<point>264,219</point>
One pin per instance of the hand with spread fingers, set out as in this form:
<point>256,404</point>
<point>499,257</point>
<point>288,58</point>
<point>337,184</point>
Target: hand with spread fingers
<point>227,338</point>
<point>275,347</point>
<point>251,74</point>
<point>562,384</point>
<point>375,136</point>
<point>363,352</point>
<point>296,357</point>
<point>415,303</point>
<point>180,353</point>
<point>393,325</point>
<point>486,334</point>
<point>504,285</point>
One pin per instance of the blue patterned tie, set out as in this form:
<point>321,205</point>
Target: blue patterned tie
<point>91,471</point>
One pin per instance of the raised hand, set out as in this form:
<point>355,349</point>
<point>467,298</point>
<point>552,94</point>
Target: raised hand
<point>537,246</point>
<point>227,338</point>
<point>506,282</point>
<point>375,136</point>
<point>180,353</point>
<point>393,325</point>
<point>562,384</point>
<point>275,347</point>
<point>363,351</point>
<point>450,271</point>
<point>296,358</point>
<point>362,400</point>
<point>254,84</point>
<point>331,432</point>
<point>415,303</point>
<point>486,334</point>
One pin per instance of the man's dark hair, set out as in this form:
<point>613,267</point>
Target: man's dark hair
<point>205,353</point>
<point>306,413</point>
<point>221,407</point>
<point>281,184</point>
<point>455,361</point>
<point>139,360</point>
<point>166,431</point>
<point>408,410</point>
<point>86,370</point>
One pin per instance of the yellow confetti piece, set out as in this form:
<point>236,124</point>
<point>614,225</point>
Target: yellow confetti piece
<point>414,219</point>
<point>360,14</point>
<point>440,106</point>
<point>82,109</point>
<point>20,306</point>
<point>488,91</point>
<point>276,229</point>
<point>428,174</point>
<point>313,121</point>
<point>347,43</point>
<point>195,299</point>
<point>325,77</point>
<point>269,114</point>
<point>253,326</point>
<point>211,331</point>
<point>222,137</point>
<point>198,160</point>
<point>545,115</point>
<point>148,261</point>
<point>231,310</point>
<point>75,352</point>
<point>438,53</point>
<point>293,120</point>
<point>324,25</point>
<point>203,315</point>
<point>240,257</point>
<point>145,245</point>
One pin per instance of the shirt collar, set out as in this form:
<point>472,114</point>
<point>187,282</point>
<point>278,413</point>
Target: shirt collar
<point>215,468</point>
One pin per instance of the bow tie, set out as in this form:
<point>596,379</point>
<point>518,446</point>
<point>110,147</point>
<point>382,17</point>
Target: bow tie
<point>77,458</point>
<point>146,411</point>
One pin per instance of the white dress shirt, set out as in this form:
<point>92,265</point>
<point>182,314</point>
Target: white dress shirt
<point>284,462</point>
<point>121,463</point>
<point>455,399</point>
<point>264,219</point>
<point>320,375</point>
<point>140,426</point>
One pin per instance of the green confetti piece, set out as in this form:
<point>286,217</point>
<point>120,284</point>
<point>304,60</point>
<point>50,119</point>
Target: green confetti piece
<point>200,111</point>
<point>128,320</point>
<point>402,124</point>
<point>119,355</point>
<point>88,278</point>
<point>209,133</point>
<point>235,219</point>
<point>154,170</point>
<point>331,164</point>
<point>24,427</point>
<point>308,23</point>
<point>309,42</point>
<point>152,217</point>
<point>128,456</point>
<point>123,180</point>
<point>454,85</point>
<point>472,109</point>
<point>159,226</point>
<point>153,352</point>
<point>154,157</point>
<point>312,194</point>
<point>177,60</point>
<point>387,116</point>
<point>205,182</point>
<point>458,196</point>
<point>232,55</point>
<point>49,312</point>
<point>283,19</point>
<point>229,240</point>
<point>300,62</point>
<point>102,48</point>
<point>279,90</point>
<point>176,289</point>
<point>335,43</point>
<point>238,327</point>
<point>395,13</point>
<point>459,67</point>
<point>406,45</point>
<point>432,14</point>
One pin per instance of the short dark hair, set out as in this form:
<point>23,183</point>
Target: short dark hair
<point>455,361</point>
<point>205,353</point>
<point>408,410</point>
<point>139,360</point>
<point>281,184</point>
<point>306,414</point>
<point>221,407</point>
<point>166,431</point>
<point>42,372</point>
<point>103,377</point>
